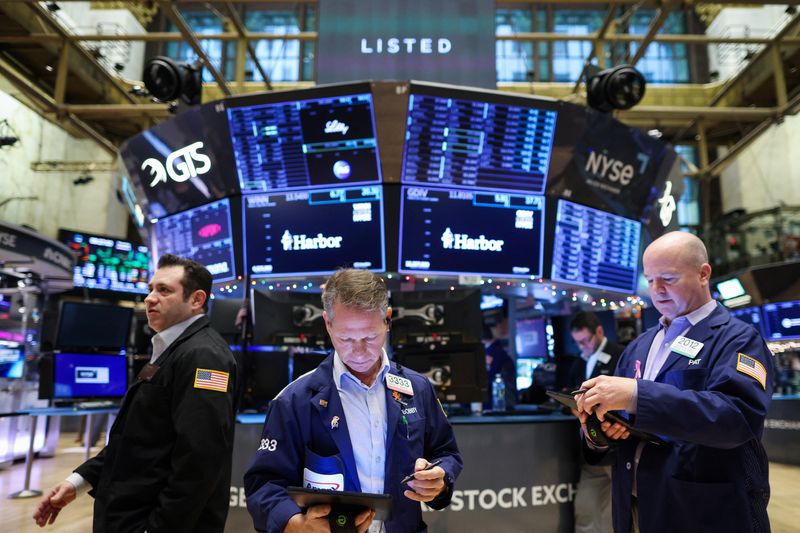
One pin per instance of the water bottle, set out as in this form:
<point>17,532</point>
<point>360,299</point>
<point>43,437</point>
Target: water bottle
<point>498,393</point>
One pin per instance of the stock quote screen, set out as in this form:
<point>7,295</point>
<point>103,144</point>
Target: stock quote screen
<point>313,232</point>
<point>455,231</point>
<point>202,234</point>
<point>782,320</point>
<point>464,143</point>
<point>751,315</point>
<point>324,142</point>
<point>595,249</point>
<point>108,264</point>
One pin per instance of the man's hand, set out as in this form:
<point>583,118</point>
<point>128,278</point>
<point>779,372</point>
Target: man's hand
<point>427,485</point>
<point>605,393</point>
<point>51,503</point>
<point>315,520</point>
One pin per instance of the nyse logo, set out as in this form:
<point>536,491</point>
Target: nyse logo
<point>303,242</point>
<point>668,206</point>
<point>57,258</point>
<point>334,126</point>
<point>462,241</point>
<point>612,169</point>
<point>180,165</point>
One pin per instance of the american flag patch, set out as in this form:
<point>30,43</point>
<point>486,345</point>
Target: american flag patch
<point>747,365</point>
<point>211,380</point>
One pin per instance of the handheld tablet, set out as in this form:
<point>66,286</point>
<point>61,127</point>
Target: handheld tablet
<point>569,401</point>
<point>380,503</point>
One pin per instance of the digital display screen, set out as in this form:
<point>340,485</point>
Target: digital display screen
<point>454,231</point>
<point>731,288</point>
<point>465,143</point>
<point>782,320</point>
<point>531,338</point>
<point>107,263</point>
<point>751,315</point>
<point>595,249</point>
<point>314,232</point>
<point>88,326</point>
<point>12,360</point>
<point>202,234</point>
<point>525,370</point>
<point>89,376</point>
<point>325,142</point>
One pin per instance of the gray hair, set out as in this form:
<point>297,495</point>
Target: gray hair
<point>355,289</point>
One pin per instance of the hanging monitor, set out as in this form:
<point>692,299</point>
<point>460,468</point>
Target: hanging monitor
<point>751,315</point>
<point>203,234</point>
<point>313,231</point>
<point>593,248</point>
<point>106,263</point>
<point>90,327</point>
<point>477,139</point>
<point>782,320</point>
<point>457,231</point>
<point>325,141</point>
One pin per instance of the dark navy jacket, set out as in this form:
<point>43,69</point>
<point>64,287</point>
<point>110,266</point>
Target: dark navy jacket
<point>714,475</point>
<point>298,431</point>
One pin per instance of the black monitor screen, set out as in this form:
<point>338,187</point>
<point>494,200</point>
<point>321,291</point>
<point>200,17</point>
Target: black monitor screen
<point>531,338</point>
<point>284,318</point>
<point>88,326</point>
<point>107,263</point>
<point>420,317</point>
<point>77,375</point>
<point>322,142</point>
<point>782,320</point>
<point>452,231</point>
<point>12,360</point>
<point>313,232</point>
<point>469,143</point>
<point>267,373</point>
<point>458,372</point>
<point>203,234</point>
<point>751,315</point>
<point>595,249</point>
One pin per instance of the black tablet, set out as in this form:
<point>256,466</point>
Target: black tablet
<point>568,400</point>
<point>381,503</point>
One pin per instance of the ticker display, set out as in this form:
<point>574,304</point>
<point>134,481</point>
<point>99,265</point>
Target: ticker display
<point>782,320</point>
<point>456,231</point>
<point>108,264</point>
<point>469,143</point>
<point>595,249</point>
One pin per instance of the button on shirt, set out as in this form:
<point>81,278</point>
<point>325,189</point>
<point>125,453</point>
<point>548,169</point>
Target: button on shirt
<point>365,413</point>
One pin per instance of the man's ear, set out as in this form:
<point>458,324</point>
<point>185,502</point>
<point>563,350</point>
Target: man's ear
<point>199,298</point>
<point>388,319</point>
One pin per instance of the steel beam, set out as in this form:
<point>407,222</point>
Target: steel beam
<point>655,25</point>
<point>242,31</point>
<point>596,44</point>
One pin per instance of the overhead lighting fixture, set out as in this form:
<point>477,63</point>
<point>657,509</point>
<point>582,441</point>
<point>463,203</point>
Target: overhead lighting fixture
<point>167,80</point>
<point>621,87</point>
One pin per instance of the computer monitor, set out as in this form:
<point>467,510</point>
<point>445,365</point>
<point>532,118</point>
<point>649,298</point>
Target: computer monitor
<point>288,319</point>
<point>106,263</point>
<point>526,367</point>
<point>74,376</point>
<point>457,371</point>
<point>305,362</point>
<point>313,232</point>
<point>93,327</point>
<point>593,248</point>
<point>456,231</point>
<point>296,140</point>
<point>266,374</point>
<point>204,234</point>
<point>222,315</point>
<point>730,288</point>
<point>751,315</point>
<point>420,317</point>
<point>12,360</point>
<point>531,338</point>
<point>782,320</point>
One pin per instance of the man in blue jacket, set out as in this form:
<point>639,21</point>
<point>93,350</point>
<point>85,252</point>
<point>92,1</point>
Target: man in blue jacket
<point>358,423</point>
<point>702,380</point>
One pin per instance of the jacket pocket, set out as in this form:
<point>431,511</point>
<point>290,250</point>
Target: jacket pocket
<point>323,472</point>
<point>688,379</point>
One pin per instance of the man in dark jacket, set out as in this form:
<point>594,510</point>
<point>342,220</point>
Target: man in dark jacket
<point>167,465</point>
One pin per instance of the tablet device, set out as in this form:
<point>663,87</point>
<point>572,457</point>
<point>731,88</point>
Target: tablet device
<point>381,503</point>
<point>569,401</point>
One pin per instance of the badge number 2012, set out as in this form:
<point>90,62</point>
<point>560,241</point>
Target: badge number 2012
<point>269,445</point>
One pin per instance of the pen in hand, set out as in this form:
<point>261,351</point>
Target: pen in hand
<point>409,477</point>
<point>579,391</point>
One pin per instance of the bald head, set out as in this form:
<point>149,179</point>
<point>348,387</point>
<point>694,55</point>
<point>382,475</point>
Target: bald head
<point>677,272</point>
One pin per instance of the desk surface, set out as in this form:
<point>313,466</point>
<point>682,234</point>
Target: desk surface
<point>259,418</point>
<point>66,411</point>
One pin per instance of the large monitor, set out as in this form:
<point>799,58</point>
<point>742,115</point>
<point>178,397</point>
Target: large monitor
<point>531,338</point>
<point>267,373</point>
<point>203,234</point>
<point>107,263</point>
<point>593,248</point>
<point>457,371</point>
<point>477,139</point>
<point>421,317</point>
<point>296,144</point>
<point>288,319</point>
<point>222,316</point>
<point>456,231</point>
<point>80,376</point>
<point>12,360</point>
<point>782,320</point>
<point>313,232</point>
<point>751,315</point>
<point>93,327</point>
